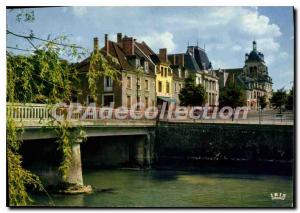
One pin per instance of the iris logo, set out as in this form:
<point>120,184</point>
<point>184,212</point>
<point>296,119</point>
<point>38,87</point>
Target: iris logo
<point>278,196</point>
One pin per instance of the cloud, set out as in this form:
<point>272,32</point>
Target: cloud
<point>80,11</point>
<point>226,32</point>
<point>160,40</point>
<point>283,55</point>
<point>219,64</point>
<point>259,25</point>
<point>236,48</point>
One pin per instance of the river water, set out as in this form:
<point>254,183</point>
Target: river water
<point>156,188</point>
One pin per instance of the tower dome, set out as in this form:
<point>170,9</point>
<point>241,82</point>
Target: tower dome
<point>254,55</point>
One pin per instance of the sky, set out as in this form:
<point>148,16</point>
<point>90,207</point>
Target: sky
<point>226,33</point>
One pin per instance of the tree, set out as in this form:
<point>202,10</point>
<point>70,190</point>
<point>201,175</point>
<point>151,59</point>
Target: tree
<point>232,96</point>
<point>279,99</point>
<point>262,100</point>
<point>43,77</point>
<point>192,94</point>
<point>290,99</point>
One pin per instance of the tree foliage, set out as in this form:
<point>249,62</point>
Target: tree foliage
<point>262,100</point>
<point>278,99</point>
<point>192,94</point>
<point>232,96</point>
<point>101,66</point>
<point>290,99</point>
<point>44,77</point>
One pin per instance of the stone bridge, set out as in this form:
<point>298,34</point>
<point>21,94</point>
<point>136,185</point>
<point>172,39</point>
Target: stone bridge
<point>129,139</point>
<point>35,120</point>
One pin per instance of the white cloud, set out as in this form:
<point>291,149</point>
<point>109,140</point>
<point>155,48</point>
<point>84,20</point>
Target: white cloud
<point>80,11</point>
<point>283,55</point>
<point>160,40</point>
<point>219,64</point>
<point>259,25</point>
<point>268,45</point>
<point>236,48</point>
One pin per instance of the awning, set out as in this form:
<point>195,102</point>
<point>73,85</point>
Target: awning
<point>167,99</point>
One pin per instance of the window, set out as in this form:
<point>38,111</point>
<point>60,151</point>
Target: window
<point>179,73</point>
<point>175,87</point>
<point>146,102</point>
<point>146,67</point>
<point>137,63</point>
<point>128,102</point>
<point>128,83</point>
<point>162,71</point>
<point>90,99</point>
<point>74,99</point>
<point>107,99</point>
<point>138,101</point>
<point>167,87</point>
<point>159,86</point>
<point>185,74</point>
<point>108,82</point>
<point>146,84</point>
<point>138,83</point>
<point>166,72</point>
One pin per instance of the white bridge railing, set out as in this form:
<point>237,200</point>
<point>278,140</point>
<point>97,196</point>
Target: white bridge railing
<point>27,111</point>
<point>32,111</point>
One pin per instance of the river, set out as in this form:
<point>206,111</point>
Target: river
<point>157,188</point>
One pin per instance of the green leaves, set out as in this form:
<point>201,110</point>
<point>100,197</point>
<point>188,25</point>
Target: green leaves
<point>279,98</point>
<point>99,67</point>
<point>262,100</point>
<point>192,94</point>
<point>232,96</point>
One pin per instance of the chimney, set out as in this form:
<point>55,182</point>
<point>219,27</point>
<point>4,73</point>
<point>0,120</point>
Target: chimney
<point>128,45</point>
<point>119,38</point>
<point>181,59</point>
<point>106,44</point>
<point>96,44</point>
<point>174,59</point>
<point>163,54</point>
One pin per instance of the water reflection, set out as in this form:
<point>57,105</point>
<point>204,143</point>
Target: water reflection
<point>121,188</point>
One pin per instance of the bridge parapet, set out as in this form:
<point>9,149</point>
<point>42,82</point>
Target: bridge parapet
<point>35,115</point>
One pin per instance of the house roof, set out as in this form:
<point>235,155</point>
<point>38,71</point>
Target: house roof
<point>200,56</point>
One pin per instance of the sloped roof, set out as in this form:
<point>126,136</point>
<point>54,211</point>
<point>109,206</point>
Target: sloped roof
<point>200,56</point>
<point>190,63</point>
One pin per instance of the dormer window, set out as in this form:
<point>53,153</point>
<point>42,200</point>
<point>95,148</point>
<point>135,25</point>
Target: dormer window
<point>146,66</point>
<point>185,74</point>
<point>179,73</point>
<point>137,63</point>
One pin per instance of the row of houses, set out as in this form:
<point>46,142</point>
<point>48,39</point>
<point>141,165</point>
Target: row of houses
<point>145,76</point>
<point>153,78</point>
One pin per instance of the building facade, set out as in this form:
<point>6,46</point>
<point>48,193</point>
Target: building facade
<point>135,78</point>
<point>196,61</point>
<point>253,77</point>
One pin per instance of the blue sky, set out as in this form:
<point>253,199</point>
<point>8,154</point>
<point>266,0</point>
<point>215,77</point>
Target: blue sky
<point>226,32</point>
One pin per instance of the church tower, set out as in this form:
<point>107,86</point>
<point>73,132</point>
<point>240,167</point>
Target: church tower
<point>256,76</point>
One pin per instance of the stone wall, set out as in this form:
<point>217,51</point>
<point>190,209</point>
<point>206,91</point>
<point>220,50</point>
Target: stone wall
<point>225,141</point>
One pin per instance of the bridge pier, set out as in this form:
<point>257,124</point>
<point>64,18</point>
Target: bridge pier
<point>73,184</point>
<point>143,151</point>
<point>74,175</point>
